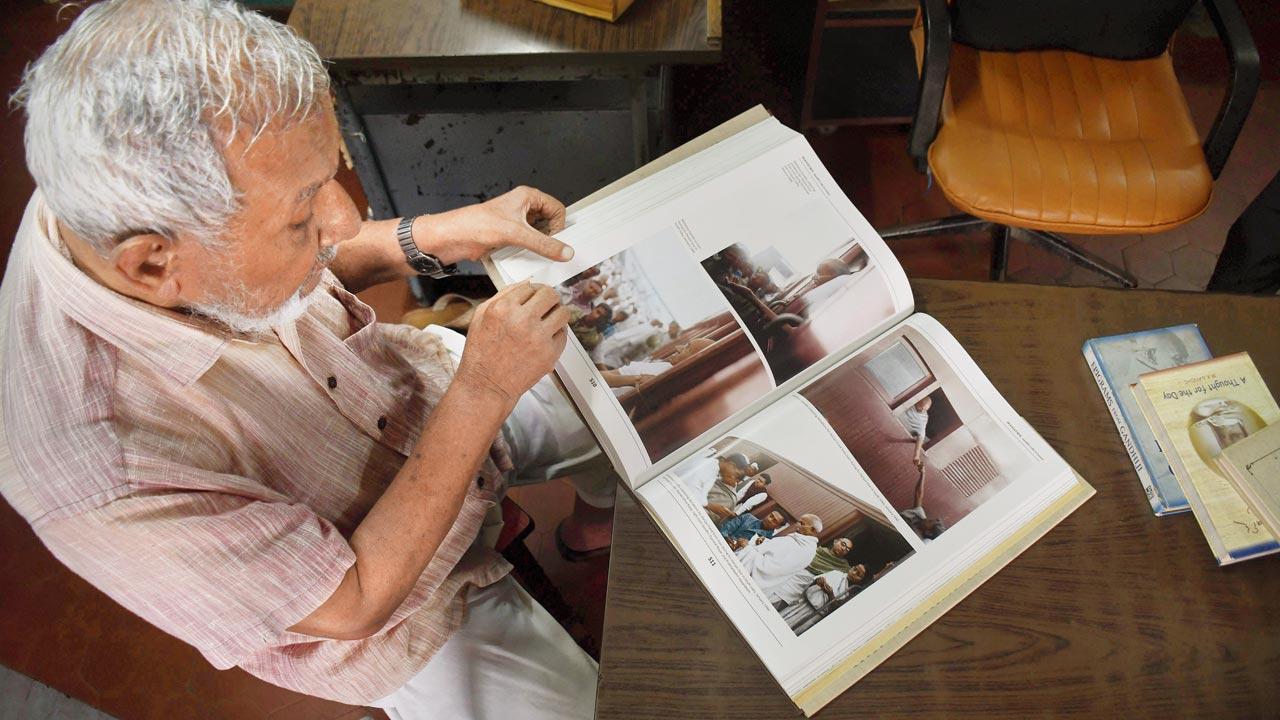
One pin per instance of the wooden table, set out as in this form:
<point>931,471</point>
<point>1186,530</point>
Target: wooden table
<point>1115,613</point>
<point>394,34</point>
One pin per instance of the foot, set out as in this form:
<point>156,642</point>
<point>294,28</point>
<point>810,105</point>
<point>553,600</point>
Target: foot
<point>588,531</point>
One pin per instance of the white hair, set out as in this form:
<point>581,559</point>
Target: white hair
<point>812,521</point>
<point>130,110</point>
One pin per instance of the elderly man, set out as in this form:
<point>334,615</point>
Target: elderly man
<point>207,425</point>
<point>778,565</point>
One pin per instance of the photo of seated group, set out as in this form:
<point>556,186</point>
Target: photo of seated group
<point>807,545</point>
<point>800,304</point>
<point>926,442</point>
<point>664,342</point>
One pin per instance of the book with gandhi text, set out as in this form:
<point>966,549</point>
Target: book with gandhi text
<point>832,466</point>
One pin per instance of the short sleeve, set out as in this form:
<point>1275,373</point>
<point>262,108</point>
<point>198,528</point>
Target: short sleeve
<point>222,572</point>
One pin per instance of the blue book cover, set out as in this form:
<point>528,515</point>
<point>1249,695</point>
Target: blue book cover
<point>1116,361</point>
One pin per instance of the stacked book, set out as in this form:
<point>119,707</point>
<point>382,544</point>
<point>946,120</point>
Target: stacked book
<point>1201,432</point>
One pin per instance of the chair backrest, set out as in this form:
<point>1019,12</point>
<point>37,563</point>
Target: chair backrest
<point>1120,29</point>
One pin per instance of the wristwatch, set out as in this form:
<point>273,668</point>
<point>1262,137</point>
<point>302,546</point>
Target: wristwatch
<point>422,263</point>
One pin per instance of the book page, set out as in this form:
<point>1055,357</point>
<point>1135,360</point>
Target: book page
<point>822,520</point>
<point>697,292</point>
<point>1253,465</point>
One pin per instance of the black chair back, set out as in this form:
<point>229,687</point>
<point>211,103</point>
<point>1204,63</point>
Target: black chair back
<point>1120,29</point>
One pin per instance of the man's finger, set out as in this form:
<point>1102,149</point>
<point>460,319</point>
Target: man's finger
<point>559,339</point>
<point>543,301</point>
<point>547,209</point>
<point>518,293</point>
<point>558,317</point>
<point>545,245</point>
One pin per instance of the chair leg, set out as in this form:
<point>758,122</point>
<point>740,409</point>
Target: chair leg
<point>941,226</point>
<point>999,251</point>
<point>1058,244</point>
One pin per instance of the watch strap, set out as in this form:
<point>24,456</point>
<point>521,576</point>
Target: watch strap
<point>422,263</point>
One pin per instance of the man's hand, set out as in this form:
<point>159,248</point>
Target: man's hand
<point>523,217</point>
<point>514,340</point>
<point>825,587</point>
<point>737,543</point>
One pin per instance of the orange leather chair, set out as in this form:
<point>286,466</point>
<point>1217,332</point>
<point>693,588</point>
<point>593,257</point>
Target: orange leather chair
<point>1065,116</point>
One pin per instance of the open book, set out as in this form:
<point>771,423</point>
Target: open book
<point>833,468</point>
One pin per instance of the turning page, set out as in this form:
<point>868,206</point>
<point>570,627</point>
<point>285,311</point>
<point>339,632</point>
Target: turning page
<point>822,524</point>
<point>707,289</point>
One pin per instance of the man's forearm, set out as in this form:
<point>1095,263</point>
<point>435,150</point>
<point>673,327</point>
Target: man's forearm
<point>373,256</point>
<point>404,529</point>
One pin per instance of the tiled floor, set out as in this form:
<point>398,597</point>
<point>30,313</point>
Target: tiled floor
<point>56,628</point>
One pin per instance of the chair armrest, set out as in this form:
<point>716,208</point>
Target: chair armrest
<point>1242,55</point>
<point>933,79</point>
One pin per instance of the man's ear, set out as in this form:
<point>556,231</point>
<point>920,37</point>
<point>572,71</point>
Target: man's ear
<point>146,263</point>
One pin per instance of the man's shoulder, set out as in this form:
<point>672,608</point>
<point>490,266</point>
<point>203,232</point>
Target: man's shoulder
<point>59,425</point>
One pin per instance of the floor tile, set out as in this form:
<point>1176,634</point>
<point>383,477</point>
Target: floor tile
<point>1193,265</point>
<point>1148,263</point>
<point>22,698</point>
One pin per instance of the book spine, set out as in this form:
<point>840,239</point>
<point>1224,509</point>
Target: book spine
<point>1126,435</point>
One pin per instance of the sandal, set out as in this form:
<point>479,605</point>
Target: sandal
<point>572,555</point>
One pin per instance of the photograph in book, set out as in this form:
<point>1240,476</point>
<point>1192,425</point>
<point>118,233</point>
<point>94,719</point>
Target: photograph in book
<point>808,545</point>
<point>801,301</point>
<point>921,435</point>
<point>664,342</point>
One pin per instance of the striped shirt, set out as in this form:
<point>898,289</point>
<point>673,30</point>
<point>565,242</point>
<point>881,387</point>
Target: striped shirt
<point>209,481</point>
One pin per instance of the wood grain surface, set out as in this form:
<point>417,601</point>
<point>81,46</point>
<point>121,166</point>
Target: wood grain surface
<point>1115,613</point>
<point>384,33</point>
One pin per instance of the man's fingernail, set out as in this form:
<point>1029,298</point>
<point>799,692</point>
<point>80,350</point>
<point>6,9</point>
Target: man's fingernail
<point>566,253</point>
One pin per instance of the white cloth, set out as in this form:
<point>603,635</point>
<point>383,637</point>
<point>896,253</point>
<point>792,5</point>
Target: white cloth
<point>837,579</point>
<point>655,367</point>
<point>700,474</point>
<point>634,369</point>
<point>624,346</point>
<point>510,660</point>
<point>916,421</point>
<point>750,503</point>
<point>774,564</point>
<point>792,588</point>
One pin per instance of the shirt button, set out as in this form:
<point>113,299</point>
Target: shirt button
<point>480,482</point>
<point>382,423</point>
<point>333,382</point>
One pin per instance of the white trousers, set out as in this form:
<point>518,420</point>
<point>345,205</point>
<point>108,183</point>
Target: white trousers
<point>510,660</point>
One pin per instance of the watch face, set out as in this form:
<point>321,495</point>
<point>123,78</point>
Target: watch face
<point>426,264</point>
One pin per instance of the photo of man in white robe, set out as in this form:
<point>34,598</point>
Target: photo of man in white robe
<point>779,565</point>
